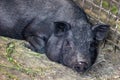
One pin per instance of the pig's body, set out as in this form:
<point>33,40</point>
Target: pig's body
<point>58,27</point>
<point>15,15</point>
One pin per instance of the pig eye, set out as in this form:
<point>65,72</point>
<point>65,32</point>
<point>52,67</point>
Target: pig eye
<point>93,47</point>
<point>67,47</point>
<point>67,43</point>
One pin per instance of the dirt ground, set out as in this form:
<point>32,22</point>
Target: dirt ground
<point>20,63</point>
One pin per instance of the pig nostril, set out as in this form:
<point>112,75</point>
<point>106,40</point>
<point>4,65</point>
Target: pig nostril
<point>80,67</point>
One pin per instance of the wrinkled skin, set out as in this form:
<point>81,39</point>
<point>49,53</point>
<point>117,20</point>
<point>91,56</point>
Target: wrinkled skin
<point>58,28</point>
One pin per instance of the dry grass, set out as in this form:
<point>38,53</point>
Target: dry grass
<point>24,64</point>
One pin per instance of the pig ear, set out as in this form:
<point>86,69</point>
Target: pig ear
<point>61,28</point>
<point>100,31</point>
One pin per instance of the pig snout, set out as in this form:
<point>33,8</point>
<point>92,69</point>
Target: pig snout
<point>80,66</point>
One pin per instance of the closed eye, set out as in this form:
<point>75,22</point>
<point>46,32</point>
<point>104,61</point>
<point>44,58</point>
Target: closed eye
<point>67,43</point>
<point>67,46</point>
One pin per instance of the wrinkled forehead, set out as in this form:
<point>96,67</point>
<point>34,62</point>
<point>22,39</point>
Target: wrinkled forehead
<point>83,36</point>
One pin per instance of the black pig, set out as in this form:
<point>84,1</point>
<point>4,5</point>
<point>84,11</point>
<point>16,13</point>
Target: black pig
<point>59,28</point>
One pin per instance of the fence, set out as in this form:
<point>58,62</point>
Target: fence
<point>105,11</point>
